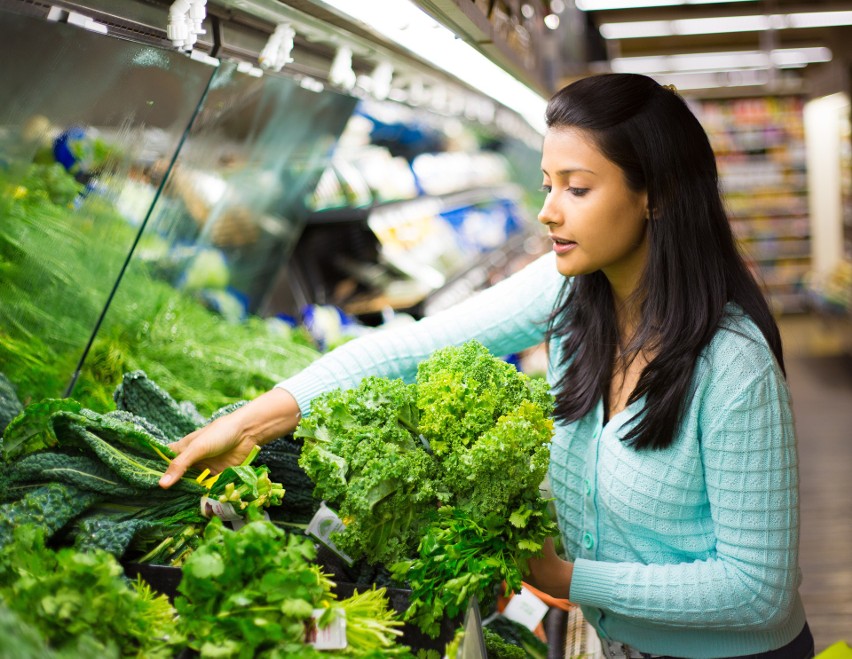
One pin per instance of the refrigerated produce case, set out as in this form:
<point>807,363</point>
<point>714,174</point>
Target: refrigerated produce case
<point>160,206</point>
<point>423,230</point>
<point>154,199</point>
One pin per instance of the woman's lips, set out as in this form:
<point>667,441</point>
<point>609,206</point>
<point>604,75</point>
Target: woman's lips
<point>561,246</point>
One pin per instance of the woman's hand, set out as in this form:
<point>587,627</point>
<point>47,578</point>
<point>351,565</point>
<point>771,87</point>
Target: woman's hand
<point>549,573</point>
<point>229,440</point>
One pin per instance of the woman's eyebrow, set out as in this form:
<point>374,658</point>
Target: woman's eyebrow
<point>568,172</point>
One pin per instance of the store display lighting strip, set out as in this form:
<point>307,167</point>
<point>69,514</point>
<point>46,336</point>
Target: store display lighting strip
<point>724,24</point>
<point>410,27</point>
<point>714,79</point>
<point>782,58</point>
<point>597,5</point>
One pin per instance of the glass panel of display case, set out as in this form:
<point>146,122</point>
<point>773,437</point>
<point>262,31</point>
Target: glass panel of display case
<point>231,208</point>
<point>83,117</point>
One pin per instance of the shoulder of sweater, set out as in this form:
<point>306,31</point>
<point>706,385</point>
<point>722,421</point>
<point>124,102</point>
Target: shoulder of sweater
<point>737,355</point>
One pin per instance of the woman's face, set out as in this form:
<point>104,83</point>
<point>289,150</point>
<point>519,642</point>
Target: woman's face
<point>596,222</point>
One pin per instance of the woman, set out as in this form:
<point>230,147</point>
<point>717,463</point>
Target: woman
<point>673,463</point>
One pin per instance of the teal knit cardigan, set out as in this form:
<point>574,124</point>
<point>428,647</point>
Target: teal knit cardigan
<point>690,551</point>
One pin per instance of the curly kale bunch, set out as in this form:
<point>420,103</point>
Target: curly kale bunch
<point>437,479</point>
<point>363,451</point>
<point>488,424</point>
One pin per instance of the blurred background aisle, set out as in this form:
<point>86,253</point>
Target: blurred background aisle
<point>820,378</point>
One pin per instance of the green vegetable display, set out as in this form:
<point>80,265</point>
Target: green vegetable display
<point>68,603</point>
<point>253,592</point>
<point>10,406</point>
<point>95,477</point>
<point>438,479</point>
<point>60,254</point>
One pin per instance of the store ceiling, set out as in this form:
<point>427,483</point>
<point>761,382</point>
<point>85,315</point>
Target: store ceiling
<point>713,76</point>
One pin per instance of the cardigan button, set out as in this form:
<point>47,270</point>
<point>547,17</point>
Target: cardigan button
<point>588,541</point>
<point>587,486</point>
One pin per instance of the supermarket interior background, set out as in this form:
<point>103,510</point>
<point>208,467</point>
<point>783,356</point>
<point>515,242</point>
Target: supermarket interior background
<point>248,183</point>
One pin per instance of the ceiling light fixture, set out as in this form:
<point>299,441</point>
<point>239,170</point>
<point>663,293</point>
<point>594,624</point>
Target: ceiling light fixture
<point>409,26</point>
<point>724,24</point>
<point>782,58</point>
<point>597,5</point>
<point>715,79</point>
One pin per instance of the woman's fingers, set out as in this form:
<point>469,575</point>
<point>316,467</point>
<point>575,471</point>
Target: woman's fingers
<point>177,468</point>
<point>183,442</point>
<point>196,446</point>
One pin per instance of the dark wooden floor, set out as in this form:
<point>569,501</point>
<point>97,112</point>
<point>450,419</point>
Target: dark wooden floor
<point>822,401</point>
<point>820,379</point>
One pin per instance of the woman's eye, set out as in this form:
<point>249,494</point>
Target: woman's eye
<point>545,188</point>
<point>578,192</point>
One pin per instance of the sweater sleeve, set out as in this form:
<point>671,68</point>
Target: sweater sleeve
<point>506,318</point>
<point>748,451</point>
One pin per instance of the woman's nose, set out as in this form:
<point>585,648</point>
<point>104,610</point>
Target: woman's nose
<point>548,214</point>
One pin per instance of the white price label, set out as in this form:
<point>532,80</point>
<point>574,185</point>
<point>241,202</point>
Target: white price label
<point>215,508</point>
<point>325,522</point>
<point>330,637</point>
<point>526,609</point>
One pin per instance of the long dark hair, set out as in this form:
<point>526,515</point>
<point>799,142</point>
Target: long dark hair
<point>693,266</point>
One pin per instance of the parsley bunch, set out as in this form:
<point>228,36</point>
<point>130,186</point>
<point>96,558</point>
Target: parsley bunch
<point>254,592</point>
<point>250,592</point>
<point>80,604</point>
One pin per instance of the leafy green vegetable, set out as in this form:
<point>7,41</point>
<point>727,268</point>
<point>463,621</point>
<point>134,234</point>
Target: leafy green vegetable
<point>78,470</point>
<point>362,453</point>
<point>250,592</point>
<point>254,592</point>
<point>463,557</point>
<point>60,254</point>
<point>519,636</point>
<point>49,506</point>
<point>471,438</point>
<point>33,430</point>
<point>98,474</point>
<point>80,604</point>
<point>140,472</point>
<point>20,640</point>
<point>143,397</point>
<point>10,405</point>
<point>371,625</point>
<point>101,531</point>
<point>497,648</point>
<point>281,457</point>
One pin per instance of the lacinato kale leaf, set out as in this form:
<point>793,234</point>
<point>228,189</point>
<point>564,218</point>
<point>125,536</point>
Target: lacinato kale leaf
<point>33,430</point>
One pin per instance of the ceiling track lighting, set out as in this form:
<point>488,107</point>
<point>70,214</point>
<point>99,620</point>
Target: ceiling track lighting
<point>781,58</point>
<point>724,24</point>
<point>599,5</point>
